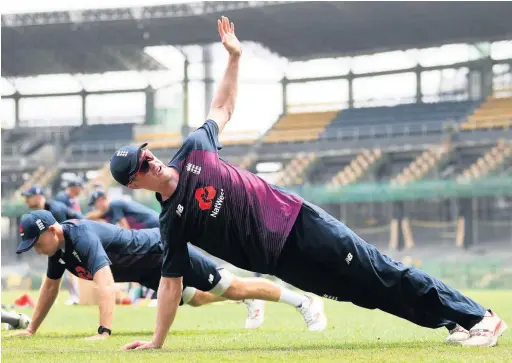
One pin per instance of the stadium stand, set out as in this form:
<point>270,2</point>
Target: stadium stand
<point>102,133</point>
<point>488,163</point>
<point>104,177</point>
<point>12,181</point>
<point>293,172</point>
<point>160,140</point>
<point>293,127</point>
<point>33,179</point>
<point>420,167</point>
<point>357,168</point>
<point>409,119</point>
<point>495,112</point>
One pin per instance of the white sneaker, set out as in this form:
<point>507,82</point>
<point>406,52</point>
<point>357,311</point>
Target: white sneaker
<point>457,335</point>
<point>72,301</point>
<point>255,313</point>
<point>486,332</point>
<point>313,313</point>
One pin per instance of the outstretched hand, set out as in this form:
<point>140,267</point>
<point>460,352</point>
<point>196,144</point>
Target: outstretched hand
<point>228,37</point>
<point>21,333</point>
<point>140,345</point>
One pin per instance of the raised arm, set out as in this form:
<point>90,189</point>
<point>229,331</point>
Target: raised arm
<point>223,103</point>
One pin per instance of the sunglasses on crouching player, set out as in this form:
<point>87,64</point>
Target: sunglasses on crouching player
<point>145,157</point>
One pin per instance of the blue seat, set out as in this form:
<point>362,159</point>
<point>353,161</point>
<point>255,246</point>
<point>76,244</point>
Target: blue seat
<point>387,121</point>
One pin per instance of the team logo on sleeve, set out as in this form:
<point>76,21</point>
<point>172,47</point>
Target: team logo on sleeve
<point>205,197</point>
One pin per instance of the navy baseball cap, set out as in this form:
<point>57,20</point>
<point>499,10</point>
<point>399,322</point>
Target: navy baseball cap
<point>33,190</point>
<point>124,164</point>
<point>76,183</point>
<point>31,227</point>
<point>94,196</point>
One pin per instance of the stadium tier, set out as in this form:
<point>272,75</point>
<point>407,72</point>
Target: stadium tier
<point>420,167</point>
<point>160,140</point>
<point>493,113</point>
<point>299,127</point>
<point>358,168</point>
<point>293,172</point>
<point>411,118</point>
<point>497,157</point>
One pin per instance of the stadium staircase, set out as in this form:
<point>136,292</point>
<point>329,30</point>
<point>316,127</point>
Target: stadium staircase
<point>293,172</point>
<point>48,176</point>
<point>423,165</point>
<point>358,167</point>
<point>104,177</point>
<point>33,179</point>
<point>247,160</point>
<point>294,127</point>
<point>493,113</point>
<point>490,162</point>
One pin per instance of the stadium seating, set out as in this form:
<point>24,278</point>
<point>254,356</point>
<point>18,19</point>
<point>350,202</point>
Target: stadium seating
<point>489,162</point>
<point>12,181</point>
<point>357,168</point>
<point>102,133</point>
<point>294,127</point>
<point>160,140</point>
<point>33,179</point>
<point>292,173</point>
<point>493,113</point>
<point>247,160</point>
<point>407,119</point>
<point>421,166</point>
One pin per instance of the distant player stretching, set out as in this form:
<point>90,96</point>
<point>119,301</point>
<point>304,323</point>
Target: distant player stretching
<point>237,216</point>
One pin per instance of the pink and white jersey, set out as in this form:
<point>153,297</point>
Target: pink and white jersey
<point>227,211</point>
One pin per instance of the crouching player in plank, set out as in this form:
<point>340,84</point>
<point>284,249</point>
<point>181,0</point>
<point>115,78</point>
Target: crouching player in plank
<point>107,254</point>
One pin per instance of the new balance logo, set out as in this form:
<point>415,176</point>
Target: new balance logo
<point>40,224</point>
<point>179,210</point>
<point>122,153</point>
<point>210,279</point>
<point>194,169</point>
<point>349,258</point>
<point>76,256</point>
<point>331,297</point>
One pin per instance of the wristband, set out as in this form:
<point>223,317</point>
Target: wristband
<point>102,330</point>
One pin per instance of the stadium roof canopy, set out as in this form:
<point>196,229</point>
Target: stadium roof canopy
<point>92,41</point>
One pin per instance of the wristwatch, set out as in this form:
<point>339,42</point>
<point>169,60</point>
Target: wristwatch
<point>102,330</point>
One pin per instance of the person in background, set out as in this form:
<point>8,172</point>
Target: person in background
<point>69,196</point>
<point>127,214</point>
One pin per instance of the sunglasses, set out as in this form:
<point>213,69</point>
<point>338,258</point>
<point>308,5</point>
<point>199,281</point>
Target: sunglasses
<point>143,168</point>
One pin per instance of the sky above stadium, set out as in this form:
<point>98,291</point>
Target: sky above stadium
<point>32,6</point>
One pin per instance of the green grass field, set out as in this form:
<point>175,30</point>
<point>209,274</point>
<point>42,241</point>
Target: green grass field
<point>215,334</point>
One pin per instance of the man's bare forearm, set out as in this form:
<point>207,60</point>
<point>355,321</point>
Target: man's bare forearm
<point>107,303</point>
<point>223,103</point>
<point>107,295</point>
<point>169,293</point>
<point>47,296</point>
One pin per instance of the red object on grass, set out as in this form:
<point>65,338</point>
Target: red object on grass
<point>24,301</point>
